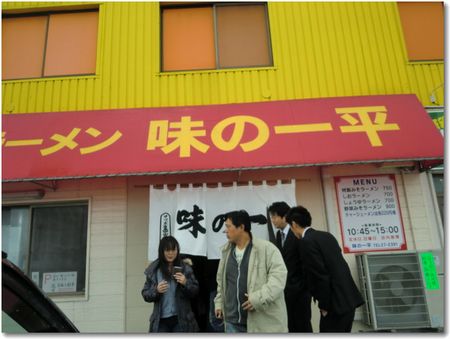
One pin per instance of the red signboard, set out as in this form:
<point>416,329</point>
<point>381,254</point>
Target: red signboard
<point>234,136</point>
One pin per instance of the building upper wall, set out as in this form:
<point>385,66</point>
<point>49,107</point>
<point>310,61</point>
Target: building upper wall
<point>318,49</point>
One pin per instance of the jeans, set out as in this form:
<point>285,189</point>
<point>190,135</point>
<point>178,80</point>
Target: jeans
<point>169,324</point>
<point>215,325</point>
<point>235,328</point>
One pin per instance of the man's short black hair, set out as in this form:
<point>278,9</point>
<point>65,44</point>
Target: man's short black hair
<point>239,218</point>
<point>279,208</point>
<point>300,215</point>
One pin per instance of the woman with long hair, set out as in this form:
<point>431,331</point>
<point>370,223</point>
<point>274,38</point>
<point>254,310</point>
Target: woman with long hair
<point>170,283</point>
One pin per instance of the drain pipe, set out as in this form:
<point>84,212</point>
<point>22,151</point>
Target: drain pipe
<point>402,173</point>
<point>327,202</point>
<point>432,193</point>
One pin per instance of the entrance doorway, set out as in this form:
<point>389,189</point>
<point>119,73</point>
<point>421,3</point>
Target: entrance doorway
<point>205,271</point>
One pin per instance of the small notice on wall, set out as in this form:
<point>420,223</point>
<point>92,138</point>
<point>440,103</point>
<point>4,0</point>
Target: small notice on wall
<point>59,282</point>
<point>369,213</point>
<point>429,271</point>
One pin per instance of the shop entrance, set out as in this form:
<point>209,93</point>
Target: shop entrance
<point>195,217</point>
<point>205,271</point>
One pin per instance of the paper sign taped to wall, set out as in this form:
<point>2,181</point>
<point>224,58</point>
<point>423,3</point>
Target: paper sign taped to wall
<point>429,271</point>
<point>57,282</point>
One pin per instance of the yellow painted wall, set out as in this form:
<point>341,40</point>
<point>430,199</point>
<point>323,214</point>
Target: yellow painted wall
<point>319,49</point>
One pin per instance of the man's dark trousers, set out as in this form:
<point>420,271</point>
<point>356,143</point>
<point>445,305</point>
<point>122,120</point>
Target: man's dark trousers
<point>337,322</point>
<point>297,296</point>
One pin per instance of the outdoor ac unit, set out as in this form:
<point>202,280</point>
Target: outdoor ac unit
<point>402,290</point>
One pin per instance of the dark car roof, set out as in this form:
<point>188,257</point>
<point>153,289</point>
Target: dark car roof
<point>26,304</point>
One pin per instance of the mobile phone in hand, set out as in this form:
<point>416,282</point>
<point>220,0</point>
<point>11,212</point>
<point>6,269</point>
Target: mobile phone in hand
<point>177,269</point>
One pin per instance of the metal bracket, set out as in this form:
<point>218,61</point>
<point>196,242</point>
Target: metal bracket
<point>53,185</point>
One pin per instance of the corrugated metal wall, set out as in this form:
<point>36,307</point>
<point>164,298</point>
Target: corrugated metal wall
<point>320,50</point>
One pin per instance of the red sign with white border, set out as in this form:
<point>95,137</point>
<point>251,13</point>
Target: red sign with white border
<point>369,213</point>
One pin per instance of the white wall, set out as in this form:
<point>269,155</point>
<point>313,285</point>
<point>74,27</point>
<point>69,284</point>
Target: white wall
<point>137,310</point>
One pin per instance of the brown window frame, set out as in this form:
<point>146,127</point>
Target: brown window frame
<point>213,5</point>
<point>47,14</point>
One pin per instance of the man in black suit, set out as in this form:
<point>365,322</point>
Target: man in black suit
<point>297,296</point>
<point>327,273</point>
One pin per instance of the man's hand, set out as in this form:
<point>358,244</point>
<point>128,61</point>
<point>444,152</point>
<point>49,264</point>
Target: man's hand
<point>324,313</point>
<point>219,314</point>
<point>247,306</point>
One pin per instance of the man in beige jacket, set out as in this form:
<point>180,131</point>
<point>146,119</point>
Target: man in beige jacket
<point>250,281</point>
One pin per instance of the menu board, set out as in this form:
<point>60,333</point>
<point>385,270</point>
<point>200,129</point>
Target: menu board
<point>369,213</point>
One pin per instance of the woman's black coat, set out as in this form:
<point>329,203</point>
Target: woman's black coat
<point>183,296</point>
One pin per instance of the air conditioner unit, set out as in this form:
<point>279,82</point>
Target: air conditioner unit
<point>402,290</point>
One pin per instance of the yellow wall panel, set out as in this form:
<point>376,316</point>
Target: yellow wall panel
<point>319,50</point>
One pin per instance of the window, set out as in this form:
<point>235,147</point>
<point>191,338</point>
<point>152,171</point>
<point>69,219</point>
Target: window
<point>44,45</point>
<point>423,29</point>
<point>215,36</point>
<point>49,244</point>
<point>438,180</point>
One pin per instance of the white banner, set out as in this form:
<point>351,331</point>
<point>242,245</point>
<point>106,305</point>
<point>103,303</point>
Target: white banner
<point>192,215</point>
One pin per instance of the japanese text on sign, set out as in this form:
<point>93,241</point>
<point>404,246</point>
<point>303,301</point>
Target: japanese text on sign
<point>369,214</point>
<point>188,134</point>
<point>57,282</point>
<point>196,216</point>
<point>64,141</point>
<point>429,271</point>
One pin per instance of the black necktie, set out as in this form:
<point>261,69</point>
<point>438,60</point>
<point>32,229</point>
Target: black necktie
<point>279,245</point>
